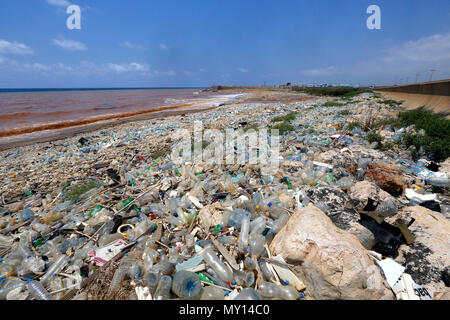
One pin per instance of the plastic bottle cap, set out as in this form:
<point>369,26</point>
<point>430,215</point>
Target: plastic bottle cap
<point>248,249</point>
<point>28,280</point>
<point>198,243</point>
<point>233,282</point>
<point>286,282</point>
<point>251,262</point>
<point>227,292</point>
<point>302,295</point>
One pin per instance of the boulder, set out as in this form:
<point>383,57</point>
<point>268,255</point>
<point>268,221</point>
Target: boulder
<point>331,262</point>
<point>387,177</point>
<point>362,191</point>
<point>337,159</point>
<point>427,259</point>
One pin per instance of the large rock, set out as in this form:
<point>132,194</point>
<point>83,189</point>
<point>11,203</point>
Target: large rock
<point>331,262</point>
<point>387,177</point>
<point>362,191</point>
<point>337,159</point>
<point>428,257</point>
<point>343,217</point>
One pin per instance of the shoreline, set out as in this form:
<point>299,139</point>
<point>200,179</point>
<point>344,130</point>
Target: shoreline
<point>63,130</point>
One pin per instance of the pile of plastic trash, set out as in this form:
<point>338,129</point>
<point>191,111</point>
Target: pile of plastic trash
<point>190,231</point>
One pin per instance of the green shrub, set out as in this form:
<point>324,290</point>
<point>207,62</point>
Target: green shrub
<point>353,125</point>
<point>332,104</point>
<point>391,103</point>
<point>374,137</point>
<point>75,191</point>
<point>283,127</point>
<point>345,113</point>
<point>290,116</point>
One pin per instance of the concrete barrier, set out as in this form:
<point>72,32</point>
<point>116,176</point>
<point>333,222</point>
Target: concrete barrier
<point>433,95</point>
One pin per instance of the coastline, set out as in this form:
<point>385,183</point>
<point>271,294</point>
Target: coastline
<point>67,129</point>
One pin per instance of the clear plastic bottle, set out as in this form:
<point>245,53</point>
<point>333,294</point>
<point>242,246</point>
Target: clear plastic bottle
<point>218,266</point>
<point>38,291</point>
<point>267,275</point>
<point>443,182</point>
<point>345,183</point>
<point>249,264</point>
<point>56,267</point>
<point>248,294</point>
<point>271,290</point>
<point>279,223</point>
<point>258,227</point>
<point>212,293</point>
<point>244,233</point>
<point>250,278</point>
<point>163,290</point>
<point>10,284</point>
<point>119,275</point>
<point>235,218</point>
<point>187,285</point>
<point>256,245</point>
<point>387,208</point>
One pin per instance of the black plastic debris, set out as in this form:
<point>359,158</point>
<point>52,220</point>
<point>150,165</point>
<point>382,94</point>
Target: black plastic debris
<point>113,174</point>
<point>83,141</point>
<point>432,205</point>
<point>389,238</point>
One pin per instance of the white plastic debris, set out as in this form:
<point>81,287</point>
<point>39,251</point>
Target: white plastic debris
<point>410,193</point>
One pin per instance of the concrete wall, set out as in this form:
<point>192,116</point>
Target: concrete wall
<point>434,96</point>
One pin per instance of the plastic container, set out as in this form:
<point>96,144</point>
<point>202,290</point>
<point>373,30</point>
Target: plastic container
<point>119,275</point>
<point>235,218</point>
<point>212,293</point>
<point>244,234</point>
<point>387,208</point>
<point>271,290</point>
<point>248,294</point>
<point>37,291</point>
<point>187,285</point>
<point>256,245</point>
<point>163,290</point>
<point>222,271</point>
<point>57,266</point>
<point>442,182</point>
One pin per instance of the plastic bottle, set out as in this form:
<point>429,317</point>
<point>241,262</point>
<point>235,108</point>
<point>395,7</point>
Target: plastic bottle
<point>345,183</point>
<point>186,285</point>
<point>38,291</point>
<point>256,245</point>
<point>244,233</point>
<point>211,274</point>
<point>10,284</point>
<point>57,266</point>
<point>218,266</point>
<point>248,294</point>
<point>279,223</point>
<point>212,293</point>
<point>163,290</point>
<point>235,218</point>
<point>249,264</point>
<point>271,290</point>
<point>442,182</point>
<point>119,275</point>
<point>387,208</point>
<point>250,278</point>
<point>258,227</point>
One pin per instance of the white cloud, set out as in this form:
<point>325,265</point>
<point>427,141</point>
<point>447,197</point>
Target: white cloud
<point>128,67</point>
<point>127,44</point>
<point>70,45</point>
<point>242,70</point>
<point>163,46</point>
<point>59,3</point>
<point>7,47</point>
<point>428,49</point>
<point>320,71</point>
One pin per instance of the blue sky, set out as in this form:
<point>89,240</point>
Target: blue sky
<point>147,43</point>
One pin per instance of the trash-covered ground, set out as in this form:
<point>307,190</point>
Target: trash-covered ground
<point>349,214</point>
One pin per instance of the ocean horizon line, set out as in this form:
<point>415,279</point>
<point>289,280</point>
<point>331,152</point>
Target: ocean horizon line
<point>13,90</point>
